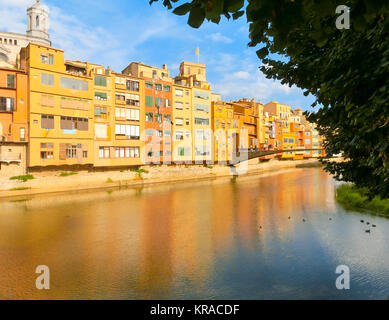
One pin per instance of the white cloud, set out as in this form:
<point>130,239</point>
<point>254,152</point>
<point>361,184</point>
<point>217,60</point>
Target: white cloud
<point>218,37</point>
<point>239,77</point>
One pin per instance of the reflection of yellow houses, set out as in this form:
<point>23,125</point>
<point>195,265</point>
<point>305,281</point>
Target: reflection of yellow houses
<point>61,108</point>
<point>223,131</point>
<point>192,75</point>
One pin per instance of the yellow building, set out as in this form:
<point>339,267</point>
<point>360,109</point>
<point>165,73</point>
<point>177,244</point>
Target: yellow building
<point>182,124</point>
<point>122,144</point>
<point>280,111</point>
<point>192,75</point>
<point>104,112</point>
<point>224,132</point>
<point>288,143</point>
<point>61,108</point>
<point>118,119</point>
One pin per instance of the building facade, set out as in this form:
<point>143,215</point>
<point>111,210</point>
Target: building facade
<point>158,111</point>
<point>60,109</point>
<point>13,120</point>
<point>193,76</point>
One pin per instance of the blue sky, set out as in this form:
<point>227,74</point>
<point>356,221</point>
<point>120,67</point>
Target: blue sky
<point>117,32</point>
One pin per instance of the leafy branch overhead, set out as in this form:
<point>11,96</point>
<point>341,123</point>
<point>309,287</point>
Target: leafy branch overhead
<point>274,23</point>
<point>346,70</point>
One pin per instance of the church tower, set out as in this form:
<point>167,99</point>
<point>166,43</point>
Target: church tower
<point>38,21</point>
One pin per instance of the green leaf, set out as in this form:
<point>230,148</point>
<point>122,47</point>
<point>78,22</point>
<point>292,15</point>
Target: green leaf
<point>237,14</point>
<point>183,9</point>
<point>196,17</point>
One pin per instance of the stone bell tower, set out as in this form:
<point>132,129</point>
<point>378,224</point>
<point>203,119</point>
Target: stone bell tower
<point>38,21</point>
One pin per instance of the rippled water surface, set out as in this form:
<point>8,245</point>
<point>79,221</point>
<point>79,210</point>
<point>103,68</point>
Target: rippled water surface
<point>218,239</point>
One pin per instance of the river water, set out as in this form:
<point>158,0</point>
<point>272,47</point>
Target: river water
<point>215,239</point>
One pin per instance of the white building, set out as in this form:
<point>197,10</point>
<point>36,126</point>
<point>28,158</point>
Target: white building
<point>37,32</point>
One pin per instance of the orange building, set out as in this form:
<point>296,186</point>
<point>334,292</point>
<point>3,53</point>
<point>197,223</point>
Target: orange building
<point>13,120</point>
<point>158,109</point>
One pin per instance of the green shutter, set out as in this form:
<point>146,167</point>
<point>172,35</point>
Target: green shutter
<point>149,101</point>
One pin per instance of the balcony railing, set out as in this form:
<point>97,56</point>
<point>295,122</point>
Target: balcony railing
<point>11,157</point>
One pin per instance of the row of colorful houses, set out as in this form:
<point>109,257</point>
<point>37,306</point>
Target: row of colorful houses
<point>56,112</point>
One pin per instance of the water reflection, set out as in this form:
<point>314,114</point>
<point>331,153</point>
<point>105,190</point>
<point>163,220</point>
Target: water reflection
<point>210,239</point>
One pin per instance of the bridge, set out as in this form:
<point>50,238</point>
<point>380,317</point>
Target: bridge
<point>246,155</point>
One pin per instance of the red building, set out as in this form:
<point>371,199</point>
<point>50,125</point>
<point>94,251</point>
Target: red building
<point>158,109</point>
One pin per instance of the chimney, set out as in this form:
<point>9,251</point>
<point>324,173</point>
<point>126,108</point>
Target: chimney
<point>164,67</point>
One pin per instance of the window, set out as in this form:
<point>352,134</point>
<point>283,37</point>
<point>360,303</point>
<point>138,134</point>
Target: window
<point>127,152</point>
<point>166,88</point>
<point>132,114</point>
<point>158,118</point>
<point>202,121</point>
<point>132,85</point>
<point>100,81</point>
<point>202,135</point>
<point>182,151</point>
<point>51,59</point>
<point>167,118</point>
<point>202,150</point>
<point>128,130</point>
<point>11,81</point>
<point>75,84</point>
<point>179,93</point>
<point>201,107</point>
<point>201,95</point>
<point>179,121</point>
<point>149,117</point>
<point>22,134</point>
<point>167,133</point>
<point>179,135</point>
<point>149,132</point>
<point>179,105</point>
<point>47,100</point>
<point>101,131</point>
<point>149,101</point>
<point>71,123</point>
<point>100,96</point>
<point>104,153</point>
<point>158,102</point>
<point>149,85</point>
<point>47,121</point>
<point>85,154</point>
<point>47,155</point>
<point>7,104</point>
<point>44,59</point>
<point>158,87</point>
<point>47,79</point>
<point>167,103</point>
<point>187,121</point>
<point>71,151</point>
<point>159,133</point>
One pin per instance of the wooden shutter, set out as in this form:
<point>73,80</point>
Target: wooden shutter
<point>62,151</point>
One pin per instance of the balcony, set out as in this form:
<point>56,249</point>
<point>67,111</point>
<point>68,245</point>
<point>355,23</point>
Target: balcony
<point>11,157</point>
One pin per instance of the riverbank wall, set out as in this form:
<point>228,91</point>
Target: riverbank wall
<point>53,182</point>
